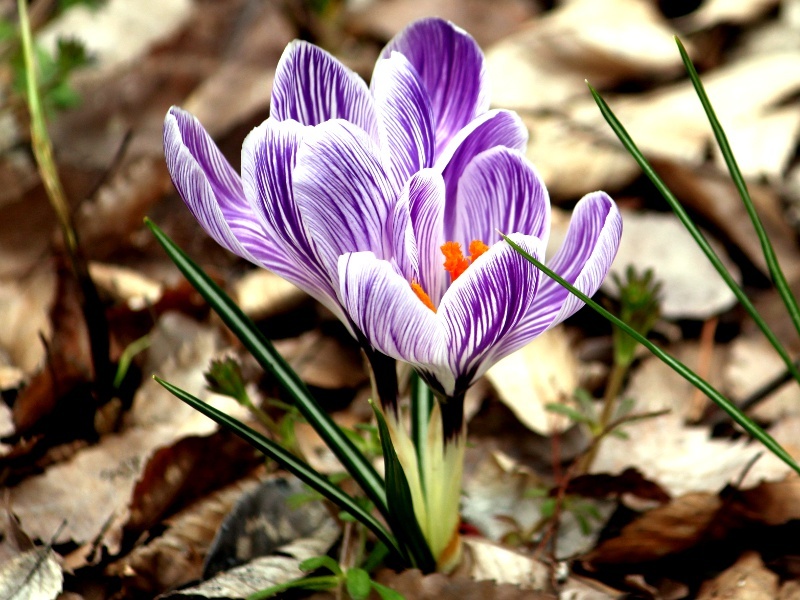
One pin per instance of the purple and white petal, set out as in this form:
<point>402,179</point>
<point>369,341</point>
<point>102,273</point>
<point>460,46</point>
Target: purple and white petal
<point>385,309</point>
<point>209,186</point>
<point>584,259</point>
<point>494,128</point>
<point>342,192</point>
<point>500,191</point>
<point>426,212</point>
<point>485,304</point>
<point>401,238</point>
<point>405,119</point>
<point>312,87</point>
<point>451,66</point>
<point>268,160</point>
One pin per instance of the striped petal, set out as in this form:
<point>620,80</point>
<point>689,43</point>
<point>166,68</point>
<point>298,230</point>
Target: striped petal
<point>383,306</point>
<point>210,187</point>
<point>500,191</point>
<point>268,159</point>
<point>451,66</point>
<point>584,259</point>
<point>417,232</point>
<point>342,192</point>
<point>495,128</point>
<point>405,118</point>
<point>312,87</point>
<point>484,305</point>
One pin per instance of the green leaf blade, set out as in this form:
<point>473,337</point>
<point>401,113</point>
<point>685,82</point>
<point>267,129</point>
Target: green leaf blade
<point>289,461</point>
<point>262,350</point>
<point>775,271</point>
<point>403,519</point>
<point>695,232</point>
<point>729,407</point>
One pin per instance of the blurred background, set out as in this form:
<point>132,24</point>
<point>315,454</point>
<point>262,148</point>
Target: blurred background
<point>110,69</point>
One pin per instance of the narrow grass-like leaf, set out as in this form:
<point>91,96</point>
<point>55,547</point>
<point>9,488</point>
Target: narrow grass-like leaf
<point>701,241</point>
<point>701,384</point>
<point>288,460</point>
<point>771,259</point>
<point>403,520</point>
<point>263,351</point>
<point>421,405</point>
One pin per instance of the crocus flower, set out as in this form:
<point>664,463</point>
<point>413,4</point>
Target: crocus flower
<point>321,175</point>
<point>456,298</point>
<point>385,203</point>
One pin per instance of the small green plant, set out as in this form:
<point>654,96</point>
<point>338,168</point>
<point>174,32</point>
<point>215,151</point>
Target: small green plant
<point>356,581</point>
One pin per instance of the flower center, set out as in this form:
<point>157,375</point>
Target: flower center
<point>424,298</point>
<point>455,263</point>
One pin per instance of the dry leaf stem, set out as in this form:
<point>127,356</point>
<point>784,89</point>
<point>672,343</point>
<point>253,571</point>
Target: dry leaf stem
<point>91,304</point>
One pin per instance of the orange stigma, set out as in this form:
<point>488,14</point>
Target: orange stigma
<point>476,248</point>
<point>426,300</point>
<point>455,262</point>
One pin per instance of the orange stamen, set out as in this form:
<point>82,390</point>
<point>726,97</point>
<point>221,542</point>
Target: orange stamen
<point>426,300</point>
<point>476,248</point>
<point>454,261</point>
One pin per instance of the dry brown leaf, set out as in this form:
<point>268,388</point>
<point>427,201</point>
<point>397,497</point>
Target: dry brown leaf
<point>790,590</point>
<point>578,588</point>
<point>241,582</point>
<point>118,32</point>
<point>59,388</point>
<point>771,35</point>
<point>25,304</point>
<point>27,572</point>
<point>691,287</point>
<point>384,18</point>
<point>497,502</point>
<point>712,196</point>
<point>657,387</point>
<point>176,557</point>
<point>672,528</point>
<point>679,458</point>
<point>764,145</point>
<point>323,361</point>
<point>670,123</point>
<point>315,450</point>
<point>107,473</point>
<point>546,64</point>
<point>413,584</point>
<point>752,364</point>
<point>736,12</point>
<point>494,491</point>
<point>262,294</point>
<point>126,285</point>
<point>573,161</point>
<point>771,503</point>
<point>747,579</point>
<point>485,560</point>
<point>119,206</point>
<point>543,372</point>
<point>178,474</point>
<point>180,351</point>
<point>238,91</point>
<point>31,575</point>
